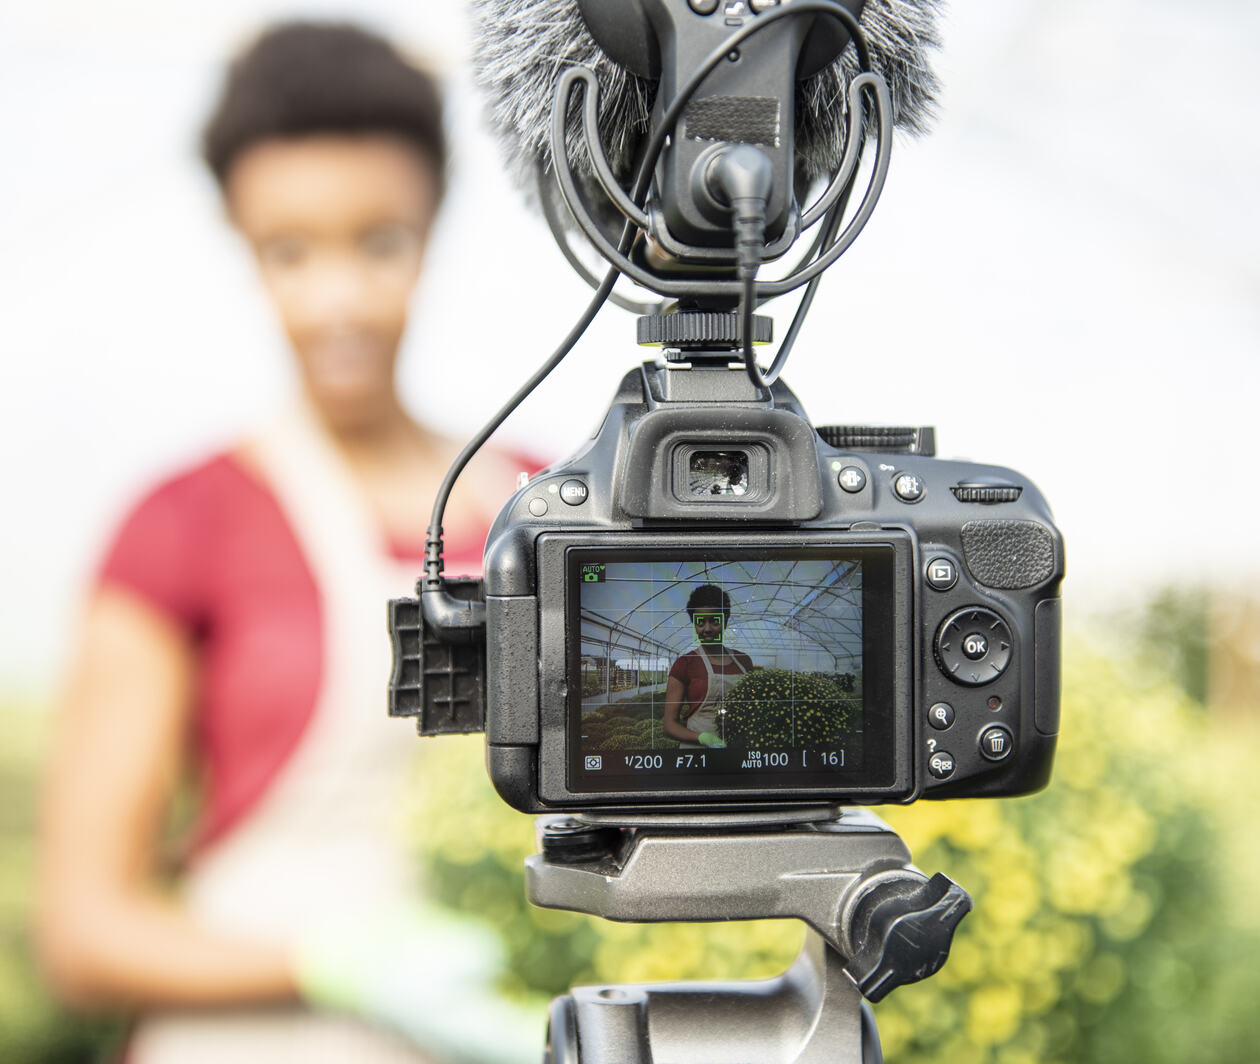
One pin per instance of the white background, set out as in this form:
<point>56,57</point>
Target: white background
<point>1063,278</point>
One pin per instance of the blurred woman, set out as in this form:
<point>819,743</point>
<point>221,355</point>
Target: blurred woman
<point>699,680</point>
<point>234,636</point>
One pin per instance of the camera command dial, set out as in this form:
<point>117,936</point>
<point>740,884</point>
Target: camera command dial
<point>973,646</point>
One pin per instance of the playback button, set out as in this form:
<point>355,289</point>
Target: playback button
<point>996,743</point>
<point>942,574</point>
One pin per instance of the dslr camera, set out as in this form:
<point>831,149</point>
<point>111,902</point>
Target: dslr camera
<point>715,605</point>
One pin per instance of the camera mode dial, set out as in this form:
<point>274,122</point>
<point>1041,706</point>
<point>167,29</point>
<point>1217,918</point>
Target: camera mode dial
<point>973,646</point>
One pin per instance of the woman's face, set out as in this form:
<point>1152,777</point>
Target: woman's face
<point>709,627</point>
<point>338,224</point>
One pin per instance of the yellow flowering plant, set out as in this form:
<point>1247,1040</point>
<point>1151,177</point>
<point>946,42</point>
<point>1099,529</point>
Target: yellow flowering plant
<point>1104,927</point>
<point>781,709</point>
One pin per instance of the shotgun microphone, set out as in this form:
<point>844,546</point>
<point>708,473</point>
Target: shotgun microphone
<point>636,47</point>
<point>705,124</point>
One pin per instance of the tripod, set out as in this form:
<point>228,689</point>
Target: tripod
<point>875,922</point>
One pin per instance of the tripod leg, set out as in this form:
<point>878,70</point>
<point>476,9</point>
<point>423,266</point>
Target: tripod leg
<point>872,1052</point>
<point>561,1045</point>
<point>812,1014</point>
<point>599,1026</point>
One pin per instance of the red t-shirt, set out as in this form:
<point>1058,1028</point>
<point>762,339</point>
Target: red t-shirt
<point>212,549</point>
<point>690,670</point>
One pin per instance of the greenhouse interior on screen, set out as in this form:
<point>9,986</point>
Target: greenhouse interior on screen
<point>790,646</point>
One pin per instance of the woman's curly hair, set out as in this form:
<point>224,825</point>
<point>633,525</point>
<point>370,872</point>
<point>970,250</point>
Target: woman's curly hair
<point>303,78</point>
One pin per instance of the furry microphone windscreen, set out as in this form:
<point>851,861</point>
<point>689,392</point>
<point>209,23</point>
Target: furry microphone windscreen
<point>521,47</point>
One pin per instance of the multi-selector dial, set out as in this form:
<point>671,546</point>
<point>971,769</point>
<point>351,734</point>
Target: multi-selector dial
<point>973,646</point>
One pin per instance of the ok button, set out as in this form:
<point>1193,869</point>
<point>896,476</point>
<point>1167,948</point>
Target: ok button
<point>975,646</point>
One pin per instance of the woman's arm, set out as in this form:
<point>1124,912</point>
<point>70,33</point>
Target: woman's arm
<point>674,698</point>
<point>105,932</point>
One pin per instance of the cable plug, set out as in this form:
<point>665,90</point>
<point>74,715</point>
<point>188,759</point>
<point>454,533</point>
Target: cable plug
<point>741,178</point>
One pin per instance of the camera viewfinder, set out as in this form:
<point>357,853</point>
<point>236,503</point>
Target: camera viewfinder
<point>721,473</point>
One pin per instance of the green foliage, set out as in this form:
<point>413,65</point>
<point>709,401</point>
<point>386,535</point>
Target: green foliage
<point>778,708</point>
<point>1102,929</point>
<point>1174,632</point>
<point>473,848</point>
<point>630,724</point>
<point>1112,919</point>
<point>34,1029</point>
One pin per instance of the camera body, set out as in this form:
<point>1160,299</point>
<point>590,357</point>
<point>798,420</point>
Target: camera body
<point>890,628</point>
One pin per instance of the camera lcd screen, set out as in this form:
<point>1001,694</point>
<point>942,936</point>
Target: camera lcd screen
<point>764,668</point>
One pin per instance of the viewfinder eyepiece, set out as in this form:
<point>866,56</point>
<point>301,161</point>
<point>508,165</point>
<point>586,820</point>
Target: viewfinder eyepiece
<point>723,473</point>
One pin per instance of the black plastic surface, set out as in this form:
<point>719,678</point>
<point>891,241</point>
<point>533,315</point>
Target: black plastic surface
<point>789,440</point>
<point>623,30</point>
<point>695,329</point>
<point>513,685</point>
<point>441,684</point>
<point>1047,624</point>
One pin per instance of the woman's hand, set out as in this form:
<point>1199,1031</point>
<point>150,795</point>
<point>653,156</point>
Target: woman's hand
<point>428,974</point>
<point>106,933</point>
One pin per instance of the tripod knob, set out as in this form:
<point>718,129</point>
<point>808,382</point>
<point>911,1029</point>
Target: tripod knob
<point>901,930</point>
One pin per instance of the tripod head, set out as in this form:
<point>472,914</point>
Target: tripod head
<point>876,921</point>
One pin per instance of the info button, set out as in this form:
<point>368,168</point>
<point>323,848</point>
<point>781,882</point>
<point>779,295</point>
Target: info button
<point>941,764</point>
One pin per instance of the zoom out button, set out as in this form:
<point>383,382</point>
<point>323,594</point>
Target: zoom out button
<point>941,764</point>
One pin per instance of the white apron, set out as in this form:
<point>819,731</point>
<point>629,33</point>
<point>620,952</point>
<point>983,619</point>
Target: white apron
<point>704,718</point>
<point>326,840</point>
